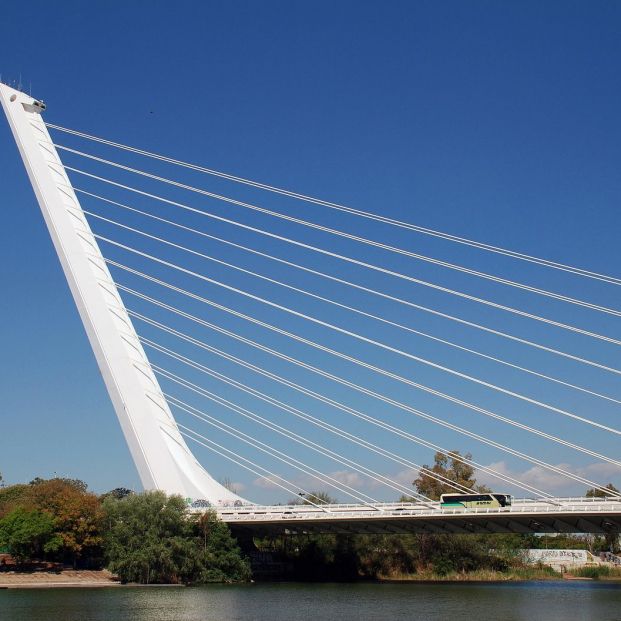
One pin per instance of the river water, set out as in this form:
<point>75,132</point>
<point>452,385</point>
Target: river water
<point>538,601</point>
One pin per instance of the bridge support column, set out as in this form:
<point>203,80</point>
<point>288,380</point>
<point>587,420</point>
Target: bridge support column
<point>158,449</point>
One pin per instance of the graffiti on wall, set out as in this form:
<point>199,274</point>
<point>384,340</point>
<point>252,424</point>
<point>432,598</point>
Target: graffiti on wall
<point>559,557</point>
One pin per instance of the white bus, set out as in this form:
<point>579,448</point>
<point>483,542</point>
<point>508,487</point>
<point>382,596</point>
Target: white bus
<point>474,500</point>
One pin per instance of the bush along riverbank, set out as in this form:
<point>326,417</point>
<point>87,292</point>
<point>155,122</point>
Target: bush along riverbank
<point>424,557</point>
<point>598,572</point>
<point>147,538</point>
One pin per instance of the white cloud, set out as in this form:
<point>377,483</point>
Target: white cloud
<point>313,483</point>
<point>405,477</point>
<point>353,479</point>
<point>552,482</point>
<point>601,470</point>
<point>267,482</point>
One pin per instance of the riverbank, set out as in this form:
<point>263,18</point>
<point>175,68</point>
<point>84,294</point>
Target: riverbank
<point>69,578</point>
<point>52,579</point>
<point>483,575</point>
<point>526,574</point>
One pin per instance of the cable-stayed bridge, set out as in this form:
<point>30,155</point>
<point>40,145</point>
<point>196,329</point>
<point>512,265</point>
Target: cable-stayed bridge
<point>290,336</point>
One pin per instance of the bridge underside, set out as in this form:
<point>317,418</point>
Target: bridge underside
<point>595,523</point>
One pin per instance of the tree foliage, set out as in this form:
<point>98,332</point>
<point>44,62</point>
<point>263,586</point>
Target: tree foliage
<point>219,557</point>
<point>28,534</point>
<point>150,538</point>
<point>74,512</point>
<point>449,466</point>
<point>117,492</point>
<point>147,538</point>
<point>12,497</point>
<point>599,493</point>
<point>77,514</point>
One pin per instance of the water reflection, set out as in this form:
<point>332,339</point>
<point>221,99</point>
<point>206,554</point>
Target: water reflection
<point>309,602</point>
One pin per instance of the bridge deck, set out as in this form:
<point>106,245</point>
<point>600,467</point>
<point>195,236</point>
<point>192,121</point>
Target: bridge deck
<point>558,515</point>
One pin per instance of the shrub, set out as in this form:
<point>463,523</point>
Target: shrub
<point>150,538</point>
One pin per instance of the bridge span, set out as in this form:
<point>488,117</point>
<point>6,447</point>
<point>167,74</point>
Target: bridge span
<point>555,515</point>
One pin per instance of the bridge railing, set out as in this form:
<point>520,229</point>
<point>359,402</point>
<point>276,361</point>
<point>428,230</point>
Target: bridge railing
<point>384,505</point>
<point>352,511</point>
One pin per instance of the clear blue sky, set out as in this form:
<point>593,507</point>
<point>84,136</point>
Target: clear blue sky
<point>491,120</point>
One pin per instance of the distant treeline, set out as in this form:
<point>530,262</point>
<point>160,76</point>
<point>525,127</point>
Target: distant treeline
<point>341,557</point>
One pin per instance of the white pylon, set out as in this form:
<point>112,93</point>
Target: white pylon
<point>162,457</point>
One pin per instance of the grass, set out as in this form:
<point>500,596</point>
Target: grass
<point>513,574</point>
<point>597,572</point>
<point>479,575</point>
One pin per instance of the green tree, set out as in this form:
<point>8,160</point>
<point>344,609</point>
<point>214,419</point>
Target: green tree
<point>219,557</point>
<point>117,492</point>
<point>146,539</point>
<point>599,493</point>
<point>28,535</point>
<point>384,555</point>
<point>452,466</point>
<point>76,512</point>
<point>11,497</point>
<point>151,538</point>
